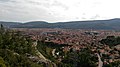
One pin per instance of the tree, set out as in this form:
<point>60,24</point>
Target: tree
<point>79,59</point>
<point>2,62</point>
<point>2,30</point>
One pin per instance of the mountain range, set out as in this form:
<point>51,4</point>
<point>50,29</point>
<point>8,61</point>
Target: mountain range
<point>111,24</point>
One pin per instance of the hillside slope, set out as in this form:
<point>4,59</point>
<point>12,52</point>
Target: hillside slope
<point>112,24</point>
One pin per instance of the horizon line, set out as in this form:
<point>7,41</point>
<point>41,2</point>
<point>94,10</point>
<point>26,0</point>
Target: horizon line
<point>58,21</point>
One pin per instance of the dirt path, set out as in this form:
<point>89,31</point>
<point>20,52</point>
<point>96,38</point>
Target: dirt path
<point>53,52</point>
<point>100,63</point>
<point>47,61</point>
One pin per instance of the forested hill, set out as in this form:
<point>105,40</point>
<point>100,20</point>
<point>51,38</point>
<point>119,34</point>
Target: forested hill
<point>9,24</point>
<point>112,24</point>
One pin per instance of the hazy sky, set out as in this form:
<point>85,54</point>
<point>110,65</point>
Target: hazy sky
<point>58,10</point>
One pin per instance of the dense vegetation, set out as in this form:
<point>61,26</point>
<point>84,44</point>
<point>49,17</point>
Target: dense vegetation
<point>111,40</point>
<point>71,58</point>
<point>13,49</point>
<point>79,59</point>
<point>113,64</point>
<point>46,49</point>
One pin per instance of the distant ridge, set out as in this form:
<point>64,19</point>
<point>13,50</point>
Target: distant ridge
<point>9,24</point>
<point>112,24</point>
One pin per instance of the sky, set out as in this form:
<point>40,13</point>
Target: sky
<point>58,10</point>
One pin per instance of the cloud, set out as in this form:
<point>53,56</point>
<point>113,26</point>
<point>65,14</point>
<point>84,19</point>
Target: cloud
<point>21,10</point>
<point>4,0</point>
<point>58,10</point>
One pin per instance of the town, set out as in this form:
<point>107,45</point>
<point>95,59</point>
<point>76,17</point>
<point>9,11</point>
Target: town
<point>77,40</point>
